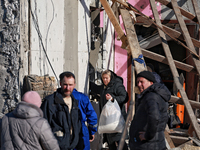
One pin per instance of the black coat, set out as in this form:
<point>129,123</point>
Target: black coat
<point>117,90</point>
<point>57,113</point>
<point>151,117</point>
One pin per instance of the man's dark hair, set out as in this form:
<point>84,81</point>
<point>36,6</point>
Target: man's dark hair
<point>66,74</point>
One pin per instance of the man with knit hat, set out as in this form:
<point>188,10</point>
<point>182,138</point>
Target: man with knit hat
<point>25,128</point>
<point>148,125</point>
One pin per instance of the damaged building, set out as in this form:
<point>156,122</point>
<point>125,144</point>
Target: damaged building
<point>41,39</point>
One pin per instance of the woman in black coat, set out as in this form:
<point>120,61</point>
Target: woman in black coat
<point>112,88</point>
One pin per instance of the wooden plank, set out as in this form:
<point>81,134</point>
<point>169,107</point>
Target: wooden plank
<point>158,26</point>
<point>196,141</point>
<point>177,100</point>
<point>115,22</point>
<point>152,41</point>
<point>183,12</point>
<point>135,52</point>
<point>162,59</point>
<point>132,39</point>
<point>169,140</point>
<point>116,13</point>
<point>194,104</point>
<point>178,140</point>
<point>185,33</point>
<point>113,3</point>
<point>128,120</point>
<point>173,32</point>
<point>174,70</point>
<point>196,9</point>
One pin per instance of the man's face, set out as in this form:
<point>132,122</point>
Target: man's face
<point>67,86</point>
<point>143,83</point>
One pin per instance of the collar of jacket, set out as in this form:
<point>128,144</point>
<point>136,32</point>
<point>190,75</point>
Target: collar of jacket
<point>146,91</point>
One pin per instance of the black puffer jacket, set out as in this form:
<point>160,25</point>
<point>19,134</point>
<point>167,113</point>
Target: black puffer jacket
<point>150,117</point>
<point>57,113</point>
<point>117,90</point>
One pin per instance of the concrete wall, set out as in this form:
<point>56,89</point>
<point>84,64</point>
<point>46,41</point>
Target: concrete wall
<point>83,44</point>
<point>71,37</point>
<point>47,32</point>
<point>65,31</point>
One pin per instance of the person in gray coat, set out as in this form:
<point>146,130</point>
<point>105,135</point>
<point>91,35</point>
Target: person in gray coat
<point>25,128</point>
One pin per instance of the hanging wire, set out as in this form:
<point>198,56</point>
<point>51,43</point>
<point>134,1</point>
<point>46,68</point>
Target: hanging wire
<point>40,36</point>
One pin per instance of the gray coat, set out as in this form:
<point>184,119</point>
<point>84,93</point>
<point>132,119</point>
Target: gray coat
<point>26,129</point>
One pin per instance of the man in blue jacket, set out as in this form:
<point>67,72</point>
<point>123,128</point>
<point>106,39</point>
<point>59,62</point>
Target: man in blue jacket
<point>63,114</point>
<point>88,115</point>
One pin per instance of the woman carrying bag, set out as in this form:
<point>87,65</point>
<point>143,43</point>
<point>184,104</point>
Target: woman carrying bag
<point>112,89</point>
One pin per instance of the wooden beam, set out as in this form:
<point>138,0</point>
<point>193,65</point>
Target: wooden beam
<point>115,23</point>
<point>128,5</point>
<point>195,140</point>
<point>113,2</point>
<point>178,140</point>
<point>124,133</point>
<point>177,100</point>
<point>173,32</point>
<point>132,39</point>
<point>185,33</point>
<point>183,12</point>
<point>196,9</point>
<point>116,13</point>
<point>152,41</point>
<point>162,59</point>
<point>174,70</point>
<point>135,52</point>
<point>169,140</point>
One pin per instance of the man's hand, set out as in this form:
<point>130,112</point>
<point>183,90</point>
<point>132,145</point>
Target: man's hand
<point>92,138</point>
<point>142,136</point>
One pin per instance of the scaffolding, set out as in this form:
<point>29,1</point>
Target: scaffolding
<point>130,43</point>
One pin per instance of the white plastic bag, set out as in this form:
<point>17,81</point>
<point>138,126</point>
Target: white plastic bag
<point>111,119</point>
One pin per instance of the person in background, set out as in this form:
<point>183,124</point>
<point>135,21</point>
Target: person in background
<point>112,88</point>
<point>88,118</point>
<point>150,119</point>
<point>63,114</point>
<point>25,127</point>
<point>150,68</point>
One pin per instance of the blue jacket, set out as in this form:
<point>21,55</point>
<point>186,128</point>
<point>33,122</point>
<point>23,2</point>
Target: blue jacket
<point>57,113</point>
<point>88,115</point>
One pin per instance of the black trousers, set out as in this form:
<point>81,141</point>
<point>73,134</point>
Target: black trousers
<point>114,145</point>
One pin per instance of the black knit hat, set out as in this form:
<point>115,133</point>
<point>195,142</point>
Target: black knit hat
<point>147,75</point>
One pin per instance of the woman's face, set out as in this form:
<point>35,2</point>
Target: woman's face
<point>106,79</point>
